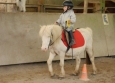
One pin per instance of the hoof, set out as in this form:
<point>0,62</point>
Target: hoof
<point>75,74</point>
<point>93,74</point>
<point>60,78</point>
<point>54,76</point>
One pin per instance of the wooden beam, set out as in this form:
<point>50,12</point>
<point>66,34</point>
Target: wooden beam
<point>93,1</point>
<point>113,0</point>
<point>98,1</point>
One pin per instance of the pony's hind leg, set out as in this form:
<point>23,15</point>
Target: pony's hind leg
<point>78,60</point>
<point>90,53</point>
<point>49,62</point>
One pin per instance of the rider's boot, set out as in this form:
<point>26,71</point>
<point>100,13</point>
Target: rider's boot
<point>71,38</point>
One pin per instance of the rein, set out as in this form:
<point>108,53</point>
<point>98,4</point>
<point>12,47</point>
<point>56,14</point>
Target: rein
<point>52,42</point>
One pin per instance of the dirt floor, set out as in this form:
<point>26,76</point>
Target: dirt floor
<point>38,72</point>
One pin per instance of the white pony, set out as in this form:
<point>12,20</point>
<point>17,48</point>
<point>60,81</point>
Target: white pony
<point>51,34</point>
<point>21,4</point>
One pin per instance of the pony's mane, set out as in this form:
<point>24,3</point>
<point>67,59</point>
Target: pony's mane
<point>49,30</point>
<point>42,30</point>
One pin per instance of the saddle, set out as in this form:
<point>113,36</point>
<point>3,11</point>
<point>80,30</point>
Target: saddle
<point>79,39</point>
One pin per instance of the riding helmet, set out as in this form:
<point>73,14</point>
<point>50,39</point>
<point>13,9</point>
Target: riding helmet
<point>68,3</point>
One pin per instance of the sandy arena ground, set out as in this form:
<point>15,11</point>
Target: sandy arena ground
<point>38,72</point>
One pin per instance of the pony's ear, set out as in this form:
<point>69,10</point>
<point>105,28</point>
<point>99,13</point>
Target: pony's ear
<point>42,26</point>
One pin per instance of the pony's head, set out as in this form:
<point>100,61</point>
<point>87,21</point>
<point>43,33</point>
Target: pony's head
<point>49,33</point>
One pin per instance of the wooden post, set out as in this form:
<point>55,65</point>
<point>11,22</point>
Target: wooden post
<point>103,6</point>
<point>40,5</point>
<point>85,6</point>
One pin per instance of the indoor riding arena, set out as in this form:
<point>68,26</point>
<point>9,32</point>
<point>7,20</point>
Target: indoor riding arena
<point>21,57</point>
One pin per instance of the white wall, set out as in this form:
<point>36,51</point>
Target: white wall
<point>20,43</point>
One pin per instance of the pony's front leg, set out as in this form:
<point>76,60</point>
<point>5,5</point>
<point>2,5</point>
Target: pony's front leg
<point>78,60</point>
<point>62,74</point>
<point>49,62</point>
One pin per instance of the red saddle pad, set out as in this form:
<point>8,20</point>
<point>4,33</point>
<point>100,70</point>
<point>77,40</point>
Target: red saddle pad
<point>78,37</point>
